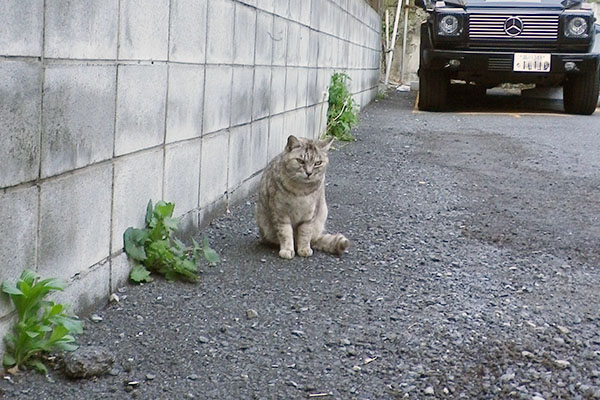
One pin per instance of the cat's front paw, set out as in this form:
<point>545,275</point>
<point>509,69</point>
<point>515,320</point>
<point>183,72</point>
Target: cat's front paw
<point>288,254</point>
<point>306,252</point>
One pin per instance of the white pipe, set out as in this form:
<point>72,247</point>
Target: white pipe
<point>391,49</point>
<point>404,41</point>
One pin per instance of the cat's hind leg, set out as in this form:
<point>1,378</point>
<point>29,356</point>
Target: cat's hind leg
<point>335,244</point>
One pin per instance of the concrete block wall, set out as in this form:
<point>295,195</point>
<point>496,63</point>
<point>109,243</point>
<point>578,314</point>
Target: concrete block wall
<point>106,104</point>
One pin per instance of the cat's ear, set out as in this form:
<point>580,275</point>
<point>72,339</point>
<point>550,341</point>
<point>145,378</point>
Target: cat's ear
<point>326,144</point>
<point>292,143</point>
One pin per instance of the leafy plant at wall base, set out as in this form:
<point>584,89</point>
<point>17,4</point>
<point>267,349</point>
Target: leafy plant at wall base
<point>156,249</point>
<point>42,326</point>
<point>342,114</point>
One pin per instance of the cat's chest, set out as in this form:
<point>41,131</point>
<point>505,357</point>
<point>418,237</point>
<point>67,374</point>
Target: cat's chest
<point>300,208</point>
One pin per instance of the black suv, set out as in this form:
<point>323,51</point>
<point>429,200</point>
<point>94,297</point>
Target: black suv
<point>488,42</point>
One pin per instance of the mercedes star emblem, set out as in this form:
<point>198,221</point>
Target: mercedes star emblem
<point>513,26</point>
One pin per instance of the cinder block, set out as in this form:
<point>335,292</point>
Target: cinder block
<point>182,175</point>
<point>144,30</point>
<point>217,109</point>
<point>260,144</point>
<point>303,46</point>
<point>323,82</point>
<point>72,136</point>
<point>277,90</point>
<point>21,27</point>
<point>264,38</point>
<point>282,8</point>
<point>87,290</point>
<point>295,123</point>
<point>261,93</point>
<point>277,136</point>
<point>292,88</point>
<point>266,5</point>
<point>184,107</point>
<point>141,94</point>
<point>120,266</point>
<point>293,44</point>
<point>295,8</point>
<point>138,178</point>
<point>241,102</point>
<point>81,29</point>
<point>244,190</point>
<point>313,95</point>
<point>220,32</point>
<point>315,8</point>
<point>213,170</point>
<point>279,36</point>
<point>240,156</point>
<point>18,228</point>
<point>313,48</point>
<point>302,87</point>
<point>20,99</point>
<point>245,34</point>
<point>312,122</point>
<point>188,31</point>
<point>305,7</point>
<point>75,221</point>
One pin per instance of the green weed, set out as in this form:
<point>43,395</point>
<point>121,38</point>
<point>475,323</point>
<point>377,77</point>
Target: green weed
<point>156,249</point>
<point>42,326</point>
<point>342,114</point>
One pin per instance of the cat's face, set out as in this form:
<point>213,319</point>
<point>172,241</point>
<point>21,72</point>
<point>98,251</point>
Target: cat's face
<point>305,160</point>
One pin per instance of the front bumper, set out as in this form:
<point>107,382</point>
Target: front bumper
<point>483,62</point>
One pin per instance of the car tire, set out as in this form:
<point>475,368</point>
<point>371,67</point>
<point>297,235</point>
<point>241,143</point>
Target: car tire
<point>580,92</point>
<point>433,90</point>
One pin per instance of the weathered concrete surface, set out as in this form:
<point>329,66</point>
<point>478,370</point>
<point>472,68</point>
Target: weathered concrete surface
<point>105,105</point>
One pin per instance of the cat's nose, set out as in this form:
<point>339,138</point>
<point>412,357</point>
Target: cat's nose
<point>308,173</point>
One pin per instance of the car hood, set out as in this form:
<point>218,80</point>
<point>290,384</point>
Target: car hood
<point>546,4</point>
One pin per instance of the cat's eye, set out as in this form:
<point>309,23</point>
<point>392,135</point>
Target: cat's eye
<point>318,163</point>
<point>300,161</point>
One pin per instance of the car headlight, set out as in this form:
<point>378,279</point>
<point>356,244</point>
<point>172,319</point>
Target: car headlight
<point>576,27</point>
<point>449,25</point>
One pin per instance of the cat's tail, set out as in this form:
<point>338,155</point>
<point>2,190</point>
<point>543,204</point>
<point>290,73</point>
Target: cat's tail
<point>335,244</point>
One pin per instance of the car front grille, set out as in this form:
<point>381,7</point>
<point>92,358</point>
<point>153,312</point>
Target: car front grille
<point>540,28</point>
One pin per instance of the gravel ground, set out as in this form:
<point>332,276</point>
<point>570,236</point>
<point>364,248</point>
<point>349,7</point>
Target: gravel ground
<point>466,278</point>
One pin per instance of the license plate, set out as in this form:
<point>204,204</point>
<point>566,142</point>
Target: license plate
<point>531,62</point>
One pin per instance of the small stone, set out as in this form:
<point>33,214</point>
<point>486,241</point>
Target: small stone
<point>251,314</point>
<point>345,342</point>
<point>150,377</point>
<point>563,330</point>
<point>429,391</point>
<point>203,339</point>
<point>193,377</point>
<point>86,362</point>
<point>509,376</point>
<point>114,298</point>
<point>96,318</point>
<point>527,354</point>
<point>537,398</point>
<point>356,368</point>
<point>562,363</point>
<point>298,333</point>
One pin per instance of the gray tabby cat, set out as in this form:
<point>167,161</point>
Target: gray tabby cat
<point>291,206</point>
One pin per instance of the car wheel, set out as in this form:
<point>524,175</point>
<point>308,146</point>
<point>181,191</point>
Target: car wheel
<point>580,92</point>
<point>433,90</point>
